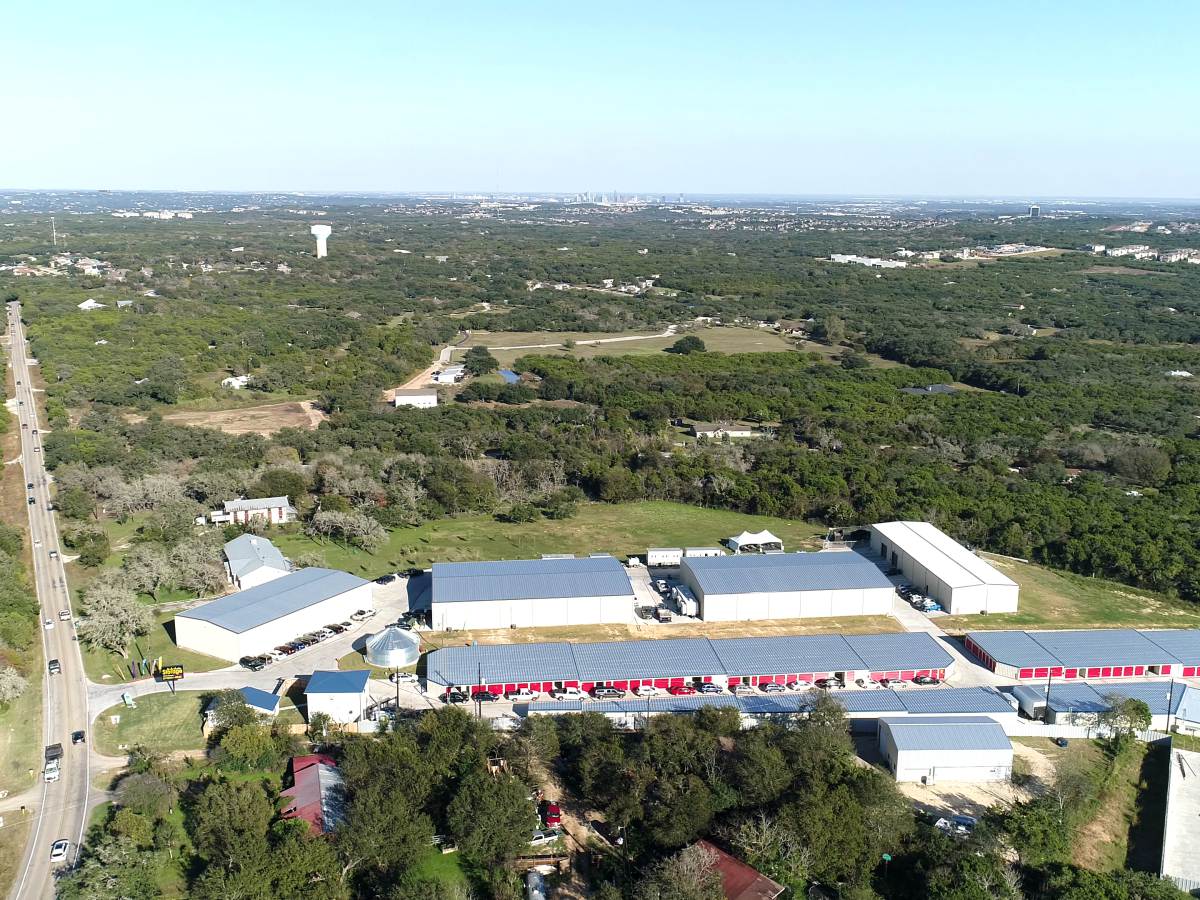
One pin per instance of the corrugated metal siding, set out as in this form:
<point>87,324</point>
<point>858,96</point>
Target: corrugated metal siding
<point>888,652</point>
<point>613,660</point>
<point>868,701</point>
<point>954,700</point>
<point>786,655</point>
<point>1182,643</point>
<point>502,663</point>
<point>784,572</point>
<point>1116,646</point>
<point>1013,648</point>
<point>936,733</point>
<point>256,606</point>
<point>939,553</point>
<point>529,579</point>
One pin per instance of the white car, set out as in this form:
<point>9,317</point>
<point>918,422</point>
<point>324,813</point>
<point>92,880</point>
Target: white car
<point>276,655</point>
<point>521,694</point>
<point>59,849</point>
<point>326,633</point>
<point>647,690</point>
<point>64,615</point>
<point>403,678</point>
<point>48,624</point>
<point>567,693</point>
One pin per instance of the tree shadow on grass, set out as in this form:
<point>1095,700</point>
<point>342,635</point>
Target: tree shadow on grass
<point>1144,849</point>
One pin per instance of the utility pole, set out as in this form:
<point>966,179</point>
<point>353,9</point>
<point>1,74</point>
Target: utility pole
<point>1170,697</point>
<point>1049,676</point>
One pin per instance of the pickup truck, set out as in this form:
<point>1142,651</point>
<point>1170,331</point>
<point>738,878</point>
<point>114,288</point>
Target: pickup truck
<point>53,754</point>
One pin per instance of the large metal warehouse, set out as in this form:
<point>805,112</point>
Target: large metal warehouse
<point>1096,653</point>
<point>255,620</point>
<point>787,586</point>
<point>677,661</point>
<point>530,593</point>
<point>943,569</point>
<point>933,749</point>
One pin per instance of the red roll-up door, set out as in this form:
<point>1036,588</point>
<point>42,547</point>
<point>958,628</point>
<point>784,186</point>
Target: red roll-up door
<point>1069,674</point>
<point>1165,670</point>
<point>1128,671</point>
<point>677,682</point>
<point>1189,671</point>
<point>707,679</point>
<point>509,688</point>
<point>1139,670</point>
<point>1040,673</point>
<point>586,686</point>
<point>1093,673</point>
<point>1025,673</point>
<point>806,676</point>
<point>908,675</point>
<point>621,685</point>
<point>662,682</point>
<point>734,679</point>
<point>1056,671</point>
<point>1107,671</point>
<point>570,684</point>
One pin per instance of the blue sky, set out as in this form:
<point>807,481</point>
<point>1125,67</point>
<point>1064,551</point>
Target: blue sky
<point>1037,100</point>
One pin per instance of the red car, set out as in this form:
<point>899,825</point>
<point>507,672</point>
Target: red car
<point>682,690</point>
<point>552,814</point>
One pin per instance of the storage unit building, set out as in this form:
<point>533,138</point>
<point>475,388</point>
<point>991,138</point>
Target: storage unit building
<point>664,556</point>
<point>1081,704</point>
<point>936,749</point>
<point>343,696</point>
<point>671,662</point>
<point>422,398</point>
<point>1071,655</point>
<point>941,568</point>
<point>251,560</point>
<point>787,586</point>
<point>255,620</point>
<point>531,593</point>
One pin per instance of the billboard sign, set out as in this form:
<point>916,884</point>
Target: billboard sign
<point>171,673</point>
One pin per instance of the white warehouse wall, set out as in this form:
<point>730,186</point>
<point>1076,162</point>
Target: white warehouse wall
<point>794,604</point>
<point>259,576</point>
<point>540,613</point>
<point>341,708</point>
<point>205,637</point>
<point>965,600</point>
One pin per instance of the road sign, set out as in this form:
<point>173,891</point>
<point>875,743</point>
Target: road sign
<point>171,673</point>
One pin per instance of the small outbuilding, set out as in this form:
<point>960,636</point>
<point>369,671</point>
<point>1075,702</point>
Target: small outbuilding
<point>936,749</point>
<point>343,696</point>
<point>251,560</point>
<point>422,398</point>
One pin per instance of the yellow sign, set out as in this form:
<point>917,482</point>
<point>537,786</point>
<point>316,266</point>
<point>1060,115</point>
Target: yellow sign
<point>170,673</point>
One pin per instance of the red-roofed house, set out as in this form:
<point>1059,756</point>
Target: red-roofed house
<point>738,880</point>
<point>317,795</point>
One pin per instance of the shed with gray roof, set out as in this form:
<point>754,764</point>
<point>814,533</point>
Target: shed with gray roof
<point>527,593</point>
<point>787,586</point>
<point>253,621</point>
<point>251,560</point>
<point>938,749</point>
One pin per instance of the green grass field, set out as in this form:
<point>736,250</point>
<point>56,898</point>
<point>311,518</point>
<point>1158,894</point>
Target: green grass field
<point>723,340</point>
<point>166,722</point>
<point>108,668</point>
<point>1055,599</point>
<point>621,529</point>
<point>21,736</point>
<point>444,868</point>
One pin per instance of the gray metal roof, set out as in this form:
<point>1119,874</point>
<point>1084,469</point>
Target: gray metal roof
<point>785,655</point>
<point>777,704</point>
<point>683,657</point>
<point>1087,648</point>
<point>551,706</point>
<point>782,572</point>
<point>500,663</point>
<point>247,553</point>
<point>672,657</point>
<point>256,606</point>
<point>1082,697</point>
<point>946,733</point>
<point>392,648</point>
<point>1182,643</point>
<point>1105,646</point>
<point>868,701</point>
<point>908,650</point>
<point>635,705</point>
<point>525,579</point>
<point>1013,648</point>
<point>954,700</point>
<point>257,503</point>
<point>1152,693</point>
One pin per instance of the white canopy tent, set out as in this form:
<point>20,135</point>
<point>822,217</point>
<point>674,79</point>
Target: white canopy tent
<point>755,542</point>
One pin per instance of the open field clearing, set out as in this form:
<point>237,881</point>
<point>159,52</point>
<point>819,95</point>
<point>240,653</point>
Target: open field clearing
<point>165,722</point>
<point>266,419</point>
<point>621,529</point>
<point>1054,599</point>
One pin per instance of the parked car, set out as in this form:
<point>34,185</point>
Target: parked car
<point>521,694</point>
<point>860,682</point>
<point>830,683</point>
<point>406,624</point>
<point>298,645</point>
<point>325,633</point>
<point>567,693</point>
<point>542,838</point>
<point>644,612</point>
<point>253,663</point>
<point>551,814</point>
<point>925,679</point>
<point>59,850</point>
<point>964,824</point>
<point>78,737</point>
<point>707,687</point>
<point>346,625</point>
<point>772,687</point>
<point>385,579</point>
<point>403,677</point>
<point>274,655</point>
<point>455,697</point>
<point>682,690</point>
<point>606,692</point>
<point>362,615</point>
<point>48,624</point>
<point>1061,742</point>
<point>647,690</point>
<point>335,628</point>
<point>286,649</point>
<point>743,689</point>
<point>32,501</point>
<point>54,554</point>
<point>485,696</point>
<point>884,682</point>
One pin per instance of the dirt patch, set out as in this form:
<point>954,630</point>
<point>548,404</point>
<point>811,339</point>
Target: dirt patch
<point>254,419</point>
<point>1119,270</point>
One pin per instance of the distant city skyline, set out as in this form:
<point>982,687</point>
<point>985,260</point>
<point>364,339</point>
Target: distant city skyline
<point>932,99</point>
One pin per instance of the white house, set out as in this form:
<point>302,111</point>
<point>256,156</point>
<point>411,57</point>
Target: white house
<point>343,696</point>
<point>253,621</point>
<point>269,510</point>
<point>236,382</point>
<point>936,749</point>
<point>425,398</point>
<point>251,560</point>
<point>717,432</point>
<point>450,375</point>
<point>940,567</point>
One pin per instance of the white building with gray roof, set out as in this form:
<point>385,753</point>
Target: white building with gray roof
<point>530,593</point>
<point>253,621</point>
<point>251,560</point>
<point>265,510</point>
<point>938,749</point>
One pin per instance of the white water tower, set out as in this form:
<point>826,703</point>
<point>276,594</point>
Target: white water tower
<point>321,233</point>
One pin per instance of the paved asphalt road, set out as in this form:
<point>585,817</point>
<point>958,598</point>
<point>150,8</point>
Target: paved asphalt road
<point>61,810</point>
